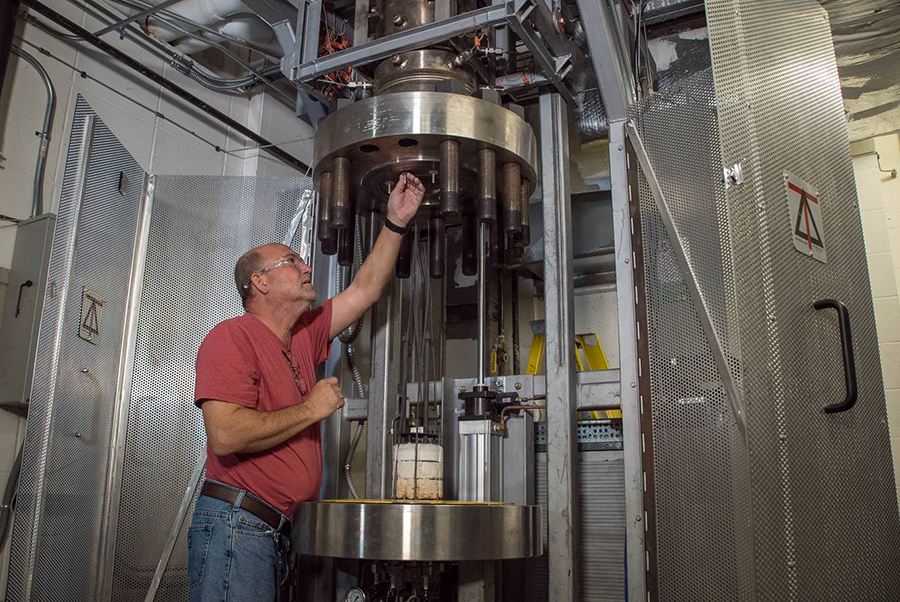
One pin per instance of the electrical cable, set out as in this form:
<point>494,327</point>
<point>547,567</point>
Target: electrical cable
<point>164,83</point>
<point>86,75</point>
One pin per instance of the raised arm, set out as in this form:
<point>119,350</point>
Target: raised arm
<point>375,272</point>
<point>234,429</point>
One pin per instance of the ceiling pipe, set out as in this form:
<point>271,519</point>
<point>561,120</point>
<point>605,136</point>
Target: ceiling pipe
<point>163,82</point>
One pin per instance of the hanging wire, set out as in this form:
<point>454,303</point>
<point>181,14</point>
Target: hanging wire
<point>85,75</point>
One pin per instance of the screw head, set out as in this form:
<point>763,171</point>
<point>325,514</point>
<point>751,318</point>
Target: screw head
<point>637,518</point>
<point>84,370</point>
<point>396,60</point>
<point>399,20</point>
<point>462,389</point>
<point>518,386</point>
<point>633,385</point>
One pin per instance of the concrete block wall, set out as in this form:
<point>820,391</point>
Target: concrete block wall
<point>879,205</point>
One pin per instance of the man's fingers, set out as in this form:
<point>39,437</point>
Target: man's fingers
<point>331,380</point>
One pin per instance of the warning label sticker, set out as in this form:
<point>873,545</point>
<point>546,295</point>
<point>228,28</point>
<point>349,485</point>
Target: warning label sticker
<point>807,226</point>
<point>91,309</point>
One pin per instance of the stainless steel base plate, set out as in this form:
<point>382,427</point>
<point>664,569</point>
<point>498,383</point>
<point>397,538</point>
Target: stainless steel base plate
<point>430,532</point>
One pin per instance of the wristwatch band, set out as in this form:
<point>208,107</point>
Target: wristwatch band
<point>394,227</point>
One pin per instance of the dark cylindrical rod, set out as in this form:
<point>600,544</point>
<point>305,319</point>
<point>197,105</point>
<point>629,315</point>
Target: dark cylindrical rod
<point>512,191</point>
<point>341,207</point>
<point>487,186</point>
<point>469,246</point>
<point>404,259</point>
<point>437,239</point>
<point>374,223</point>
<point>524,238</point>
<point>450,180</point>
<point>324,230</point>
<point>345,247</point>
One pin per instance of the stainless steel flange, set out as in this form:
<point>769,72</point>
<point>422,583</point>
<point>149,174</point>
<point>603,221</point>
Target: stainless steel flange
<point>386,135</point>
<point>427,532</point>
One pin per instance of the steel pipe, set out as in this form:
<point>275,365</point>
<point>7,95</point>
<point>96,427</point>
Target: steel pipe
<point>524,237</point>
<point>345,247</point>
<point>324,231</point>
<point>37,203</point>
<point>487,186</point>
<point>512,191</point>
<point>450,180</point>
<point>482,301</point>
<point>437,239</point>
<point>341,207</point>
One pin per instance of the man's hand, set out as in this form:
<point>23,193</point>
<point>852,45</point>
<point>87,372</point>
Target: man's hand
<point>325,399</point>
<point>405,199</point>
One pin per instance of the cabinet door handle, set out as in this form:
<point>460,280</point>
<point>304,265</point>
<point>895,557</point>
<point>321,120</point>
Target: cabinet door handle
<point>847,351</point>
<point>19,301</point>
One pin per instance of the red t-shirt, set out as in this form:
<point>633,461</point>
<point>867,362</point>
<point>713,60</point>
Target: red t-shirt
<point>242,361</point>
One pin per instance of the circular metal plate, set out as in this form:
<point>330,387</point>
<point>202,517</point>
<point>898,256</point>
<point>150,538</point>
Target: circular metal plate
<point>435,532</point>
<point>386,135</point>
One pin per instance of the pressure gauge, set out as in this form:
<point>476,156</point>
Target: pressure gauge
<point>356,595</point>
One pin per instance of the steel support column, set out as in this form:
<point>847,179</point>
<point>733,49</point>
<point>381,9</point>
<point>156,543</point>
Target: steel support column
<point>560,349</point>
<point>613,77</point>
<point>383,391</point>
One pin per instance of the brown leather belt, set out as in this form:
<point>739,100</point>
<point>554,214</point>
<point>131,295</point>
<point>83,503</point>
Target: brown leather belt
<point>250,503</point>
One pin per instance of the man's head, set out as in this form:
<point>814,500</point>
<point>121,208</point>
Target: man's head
<point>273,276</point>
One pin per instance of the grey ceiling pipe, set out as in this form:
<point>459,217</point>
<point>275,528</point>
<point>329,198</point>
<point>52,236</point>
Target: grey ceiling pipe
<point>37,204</point>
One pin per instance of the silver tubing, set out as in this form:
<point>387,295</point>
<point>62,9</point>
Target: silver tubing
<point>37,204</point>
<point>482,292</point>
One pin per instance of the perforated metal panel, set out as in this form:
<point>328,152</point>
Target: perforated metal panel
<point>200,225</point>
<point>804,508</point>
<point>70,481</point>
<point>57,537</point>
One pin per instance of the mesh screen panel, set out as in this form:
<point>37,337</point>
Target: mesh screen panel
<point>806,509</point>
<point>75,454</point>
<point>200,225</point>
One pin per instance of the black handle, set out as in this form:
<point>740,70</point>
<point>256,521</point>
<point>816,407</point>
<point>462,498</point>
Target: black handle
<point>19,301</point>
<point>847,349</point>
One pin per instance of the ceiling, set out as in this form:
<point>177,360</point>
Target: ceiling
<point>867,43</point>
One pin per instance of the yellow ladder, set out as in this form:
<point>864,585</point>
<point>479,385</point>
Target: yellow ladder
<point>589,355</point>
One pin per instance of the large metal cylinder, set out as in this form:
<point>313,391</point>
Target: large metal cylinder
<point>399,15</point>
<point>512,191</point>
<point>423,71</point>
<point>524,236</point>
<point>450,180</point>
<point>341,207</point>
<point>345,247</point>
<point>487,186</point>
<point>324,230</point>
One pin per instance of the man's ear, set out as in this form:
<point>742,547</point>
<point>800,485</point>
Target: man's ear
<point>259,283</point>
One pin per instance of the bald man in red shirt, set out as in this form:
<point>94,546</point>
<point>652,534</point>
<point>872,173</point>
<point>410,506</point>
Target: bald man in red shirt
<point>262,407</point>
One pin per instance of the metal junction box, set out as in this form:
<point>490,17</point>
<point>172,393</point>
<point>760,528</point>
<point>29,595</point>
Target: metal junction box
<point>22,312</point>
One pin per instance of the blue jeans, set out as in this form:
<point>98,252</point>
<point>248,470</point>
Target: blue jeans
<point>233,555</point>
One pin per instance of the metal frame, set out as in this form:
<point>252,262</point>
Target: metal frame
<point>123,389</point>
<point>690,279</point>
<point>37,509</point>
<point>135,17</point>
<point>559,302</point>
<point>553,53</point>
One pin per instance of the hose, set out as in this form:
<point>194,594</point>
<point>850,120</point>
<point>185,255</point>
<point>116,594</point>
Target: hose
<point>361,391</point>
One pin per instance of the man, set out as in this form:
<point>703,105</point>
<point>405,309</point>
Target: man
<point>262,407</point>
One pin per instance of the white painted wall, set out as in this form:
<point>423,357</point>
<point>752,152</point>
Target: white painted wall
<point>156,144</point>
<point>879,205</point>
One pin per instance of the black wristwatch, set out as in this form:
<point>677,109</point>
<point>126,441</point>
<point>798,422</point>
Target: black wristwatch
<point>401,230</point>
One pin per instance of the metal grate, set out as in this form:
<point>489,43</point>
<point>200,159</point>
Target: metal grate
<point>805,508</point>
<point>601,528</point>
<point>199,227</point>
<point>699,456</point>
<point>73,460</point>
<point>824,502</point>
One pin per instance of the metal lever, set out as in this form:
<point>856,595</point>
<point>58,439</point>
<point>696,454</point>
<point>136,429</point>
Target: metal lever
<point>847,350</point>
<point>27,283</point>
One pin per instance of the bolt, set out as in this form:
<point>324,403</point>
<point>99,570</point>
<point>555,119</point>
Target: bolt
<point>621,147</point>
<point>399,20</point>
<point>84,370</point>
<point>518,386</point>
<point>633,385</point>
<point>637,518</point>
<point>397,60</point>
<point>433,173</point>
<point>498,383</point>
<point>627,260</point>
<point>462,389</point>
<point>77,435</point>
